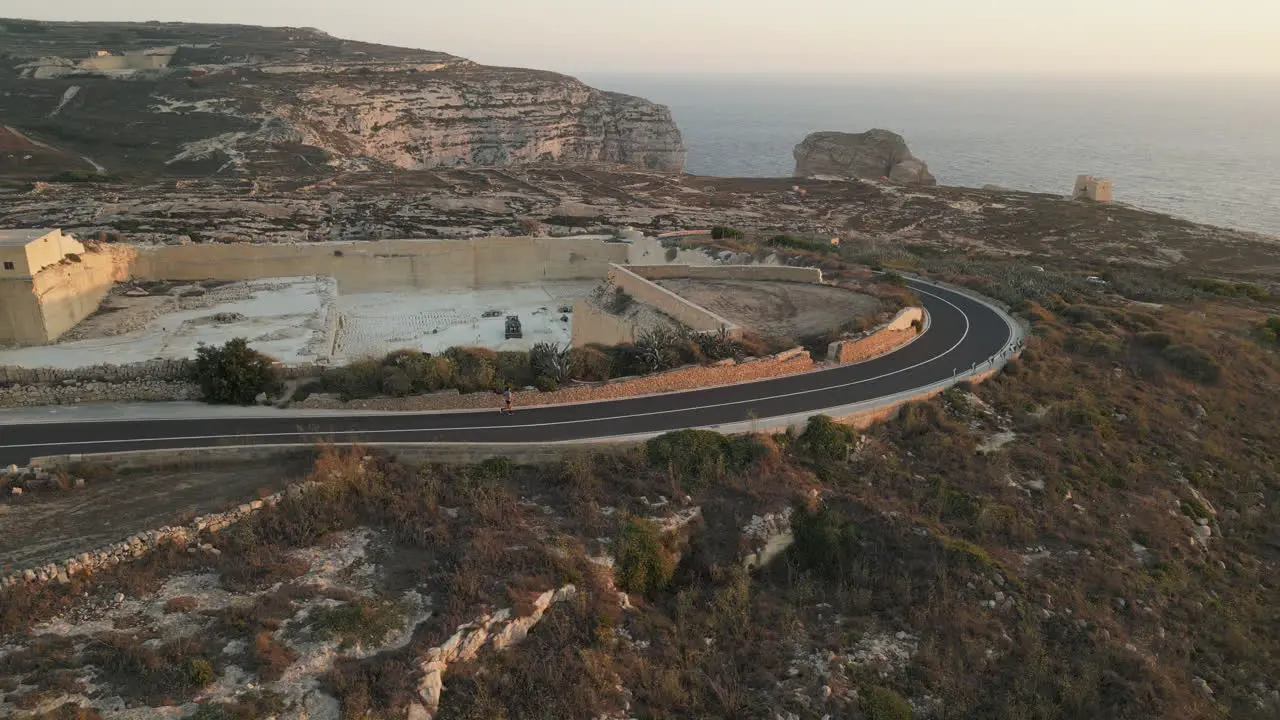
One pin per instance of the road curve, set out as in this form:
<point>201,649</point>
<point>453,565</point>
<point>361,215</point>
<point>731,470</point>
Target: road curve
<point>963,333</point>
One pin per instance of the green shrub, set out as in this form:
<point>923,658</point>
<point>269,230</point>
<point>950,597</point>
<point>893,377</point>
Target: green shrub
<point>716,346</point>
<point>1154,340</point>
<point>200,672</point>
<point>881,703</point>
<point>80,176</point>
<point>591,364</point>
<point>699,457</point>
<point>1193,362</point>
<point>514,369</point>
<point>550,360</point>
<point>721,232</point>
<point>396,382</point>
<point>643,564</point>
<point>826,440</point>
<point>894,278</point>
<point>364,622</point>
<point>1082,314</point>
<point>234,374</point>
<point>1269,331</point>
<point>1230,289</point>
<point>357,379</point>
<point>825,542</point>
<point>473,368</point>
<point>796,243</point>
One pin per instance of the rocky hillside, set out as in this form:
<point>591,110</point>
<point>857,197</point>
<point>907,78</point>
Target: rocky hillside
<point>178,99</point>
<point>872,155</point>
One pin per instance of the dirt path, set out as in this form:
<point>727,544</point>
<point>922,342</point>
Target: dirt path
<point>51,526</point>
<point>776,309</point>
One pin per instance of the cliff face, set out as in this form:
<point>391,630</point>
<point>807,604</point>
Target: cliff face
<point>182,99</point>
<point>870,155</point>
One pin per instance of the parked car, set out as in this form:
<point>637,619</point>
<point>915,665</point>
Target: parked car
<point>513,327</point>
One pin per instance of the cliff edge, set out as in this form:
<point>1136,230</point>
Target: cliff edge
<point>871,155</point>
<point>156,99</point>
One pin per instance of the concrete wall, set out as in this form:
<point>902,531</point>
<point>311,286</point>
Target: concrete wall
<point>15,255</point>
<point>1092,188</point>
<point>150,59</point>
<point>759,273</point>
<point>38,254</point>
<point>686,313</point>
<point>595,326</point>
<point>21,322</point>
<point>389,264</point>
<point>50,250</point>
<point>70,292</point>
<point>39,310</point>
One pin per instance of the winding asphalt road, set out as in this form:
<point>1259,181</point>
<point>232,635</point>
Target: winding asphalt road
<point>963,333</point>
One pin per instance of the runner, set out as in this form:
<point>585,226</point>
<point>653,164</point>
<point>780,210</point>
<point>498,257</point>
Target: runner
<point>506,399</point>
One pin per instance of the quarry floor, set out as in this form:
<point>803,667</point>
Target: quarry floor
<point>374,324</point>
<point>289,319</point>
<point>776,309</point>
<point>300,320</point>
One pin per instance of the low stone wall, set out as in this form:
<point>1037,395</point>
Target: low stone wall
<point>686,313</point>
<point>150,370</point>
<point>758,273</point>
<point>893,335</point>
<point>790,362</point>
<point>155,380</point>
<point>151,381</point>
<point>98,392</point>
<point>138,545</point>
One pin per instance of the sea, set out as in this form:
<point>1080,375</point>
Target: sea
<point>1205,149</point>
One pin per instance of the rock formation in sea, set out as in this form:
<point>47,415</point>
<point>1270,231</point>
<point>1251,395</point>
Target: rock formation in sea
<point>870,155</point>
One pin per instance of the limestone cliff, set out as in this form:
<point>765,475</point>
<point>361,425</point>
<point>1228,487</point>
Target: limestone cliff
<point>186,99</point>
<point>870,155</point>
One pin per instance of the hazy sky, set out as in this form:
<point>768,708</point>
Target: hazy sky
<point>1130,37</point>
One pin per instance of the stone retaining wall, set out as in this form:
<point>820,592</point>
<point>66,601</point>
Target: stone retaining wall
<point>899,331</point>
<point>693,377</point>
<point>683,311</point>
<point>758,273</point>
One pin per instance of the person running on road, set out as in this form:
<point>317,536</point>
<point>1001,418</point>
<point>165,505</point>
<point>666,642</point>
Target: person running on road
<point>506,400</point>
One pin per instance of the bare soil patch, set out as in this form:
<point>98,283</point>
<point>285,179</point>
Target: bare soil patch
<point>776,309</point>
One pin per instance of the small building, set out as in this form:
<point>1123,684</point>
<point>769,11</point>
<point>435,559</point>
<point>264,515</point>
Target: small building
<point>48,284</point>
<point>100,53</point>
<point>23,253</point>
<point>1092,188</point>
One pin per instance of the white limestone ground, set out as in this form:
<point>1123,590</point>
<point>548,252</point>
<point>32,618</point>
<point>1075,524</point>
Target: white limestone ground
<point>373,324</point>
<point>282,317</point>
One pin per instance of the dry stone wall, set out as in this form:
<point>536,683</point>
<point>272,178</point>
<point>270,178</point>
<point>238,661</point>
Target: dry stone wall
<point>151,381</point>
<point>136,546</point>
<point>155,380</point>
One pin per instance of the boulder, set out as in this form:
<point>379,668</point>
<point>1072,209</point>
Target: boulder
<point>872,155</point>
